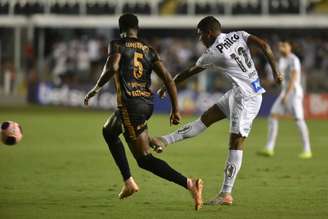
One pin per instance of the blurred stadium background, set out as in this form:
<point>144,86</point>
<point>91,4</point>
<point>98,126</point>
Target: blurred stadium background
<point>52,51</point>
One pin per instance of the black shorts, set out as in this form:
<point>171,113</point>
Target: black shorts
<point>134,118</point>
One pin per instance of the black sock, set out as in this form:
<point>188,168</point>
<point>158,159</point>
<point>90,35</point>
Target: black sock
<point>161,169</point>
<point>116,148</point>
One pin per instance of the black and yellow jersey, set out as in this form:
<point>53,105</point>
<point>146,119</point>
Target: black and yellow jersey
<point>134,77</point>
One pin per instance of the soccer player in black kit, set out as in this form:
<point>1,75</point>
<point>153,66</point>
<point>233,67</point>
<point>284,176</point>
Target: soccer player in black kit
<point>130,62</point>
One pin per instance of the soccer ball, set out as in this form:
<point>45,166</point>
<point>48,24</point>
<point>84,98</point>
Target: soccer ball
<point>11,133</point>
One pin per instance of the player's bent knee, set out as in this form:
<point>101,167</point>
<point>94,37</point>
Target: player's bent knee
<point>111,135</point>
<point>112,128</point>
<point>106,132</point>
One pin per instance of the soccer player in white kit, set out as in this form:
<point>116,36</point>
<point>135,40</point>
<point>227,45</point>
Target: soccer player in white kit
<point>228,54</point>
<point>289,102</point>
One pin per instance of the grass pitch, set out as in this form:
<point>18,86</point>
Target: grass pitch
<point>63,169</point>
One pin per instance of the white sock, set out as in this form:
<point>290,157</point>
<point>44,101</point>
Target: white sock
<point>187,131</point>
<point>272,134</point>
<point>303,129</point>
<point>231,170</point>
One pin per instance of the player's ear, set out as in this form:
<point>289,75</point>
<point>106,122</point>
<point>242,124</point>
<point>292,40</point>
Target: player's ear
<point>210,33</point>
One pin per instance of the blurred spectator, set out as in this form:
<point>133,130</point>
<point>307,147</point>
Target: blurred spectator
<point>60,58</point>
<point>83,63</point>
<point>9,78</point>
<point>94,46</point>
<point>309,48</point>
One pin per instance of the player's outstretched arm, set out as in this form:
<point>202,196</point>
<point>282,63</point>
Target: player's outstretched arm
<point>111,66</point>
<point>187,73</point>
<point>183,76</point>
<point>165,76</point>
<point>266,49</point>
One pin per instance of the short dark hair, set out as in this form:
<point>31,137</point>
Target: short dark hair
<point>209,23</point>
<point>128,21</point>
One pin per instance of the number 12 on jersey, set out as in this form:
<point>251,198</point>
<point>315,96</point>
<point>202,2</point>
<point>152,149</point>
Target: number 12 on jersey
<point>247,60</point>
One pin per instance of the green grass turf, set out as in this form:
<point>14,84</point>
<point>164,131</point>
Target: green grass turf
<point>62,169</point>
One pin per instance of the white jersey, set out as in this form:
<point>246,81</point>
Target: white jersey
<point>286,66</point>
<point>231,55</point>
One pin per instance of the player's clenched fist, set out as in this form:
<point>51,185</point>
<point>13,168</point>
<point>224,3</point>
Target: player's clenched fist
<point>90,94</point>
<point>175,118</point>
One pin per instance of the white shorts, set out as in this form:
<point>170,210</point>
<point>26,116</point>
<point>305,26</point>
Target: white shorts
<point>294,106</point>
<point>240,109</point>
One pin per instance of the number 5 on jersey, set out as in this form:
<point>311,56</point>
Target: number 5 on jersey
<point>138,67</point>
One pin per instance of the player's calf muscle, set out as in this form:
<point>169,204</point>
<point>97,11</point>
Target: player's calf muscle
<point>212,115</point>
<point>236,142</point>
